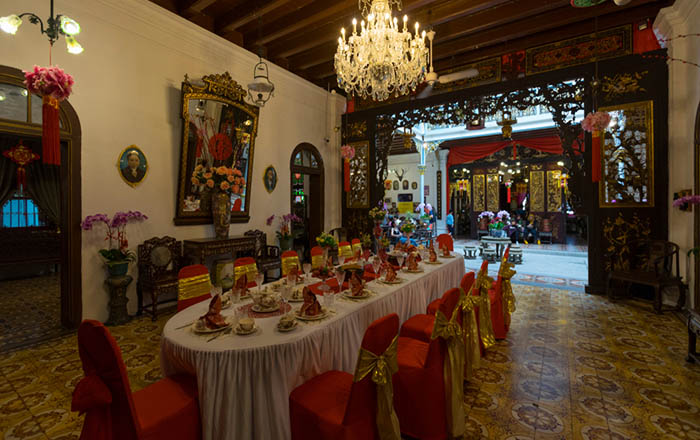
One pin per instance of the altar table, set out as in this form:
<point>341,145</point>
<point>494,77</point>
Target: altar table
<point>244,381</point>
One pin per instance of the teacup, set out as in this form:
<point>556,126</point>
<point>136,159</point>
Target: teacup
<point>246,324</point>
<point>286,321</point>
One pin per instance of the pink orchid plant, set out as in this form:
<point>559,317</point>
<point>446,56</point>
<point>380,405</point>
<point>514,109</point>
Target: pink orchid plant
<point>118,250</point>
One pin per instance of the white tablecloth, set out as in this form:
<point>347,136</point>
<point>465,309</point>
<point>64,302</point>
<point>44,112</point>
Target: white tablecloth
<point>244,381</point>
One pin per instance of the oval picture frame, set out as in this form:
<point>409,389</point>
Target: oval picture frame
<point>130,175</point>
<point>270,183</point>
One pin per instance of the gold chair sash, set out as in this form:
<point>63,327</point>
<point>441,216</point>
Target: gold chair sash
<point>288,263</point>
<point>506,272</point>
<point>488,338</point>
<point>382,368</point>
<point>249,270</point>
<point>357,247</point>
<point>472,352</point>
<point>317,261</point>
<point>193,287</point>
<point>345,251</point>
<point>453,370</point>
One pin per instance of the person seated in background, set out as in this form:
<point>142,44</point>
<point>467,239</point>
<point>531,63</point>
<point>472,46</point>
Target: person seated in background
<point>515,229</point>
<point>531,230</point>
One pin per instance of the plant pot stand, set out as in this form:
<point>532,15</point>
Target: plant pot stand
<point>118,313</point>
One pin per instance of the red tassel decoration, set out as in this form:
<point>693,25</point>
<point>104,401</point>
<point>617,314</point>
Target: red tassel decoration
<point>50,138</point>
<point>595,156</point>
<point>509,194</point>
<point>346,169</point>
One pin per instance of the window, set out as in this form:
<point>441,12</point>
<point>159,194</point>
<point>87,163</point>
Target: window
<point>21,212</point>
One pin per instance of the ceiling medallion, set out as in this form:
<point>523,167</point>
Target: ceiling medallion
<point>381,60</point>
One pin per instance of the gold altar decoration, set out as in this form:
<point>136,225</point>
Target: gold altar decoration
<point>358,197</point>
<point>492,193</point>
<point>193,287</point>
<point>453,369</point>
<point>479,192</point>
<point>472,351</point>
<point>627,154</point>
<point>554,191</point>
<point>621,84</point>
<point>382,367</point>
<point>536,191</point>
<point>619,233</point>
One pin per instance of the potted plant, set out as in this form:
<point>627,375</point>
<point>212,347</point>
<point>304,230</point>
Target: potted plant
<point>284,232</point>
<point>117,256</point>
<point>377,215</point>
<point>223,181</point>
<point>484,219</point>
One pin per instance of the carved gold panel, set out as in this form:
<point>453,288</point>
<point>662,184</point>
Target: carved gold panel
<point>492,193</point>
<point>618,233</point>
<point>358,197</point>
<point>553,190</point>
<point>479,192</point>
<point>536,191</point>
<point>627,155</point>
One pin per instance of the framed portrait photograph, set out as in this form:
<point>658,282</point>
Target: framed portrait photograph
<point>132,165</point>
<point>414,185</point>
<point>405,184</point>
<point>396,185</point>
<point>270,178</point>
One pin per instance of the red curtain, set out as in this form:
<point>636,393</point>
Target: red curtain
<point>645,39</point>
<point>470,153</point>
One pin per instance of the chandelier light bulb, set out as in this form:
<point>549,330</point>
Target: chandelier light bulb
<point>73,46</point>
<point>69,26</point>
<point>10,24</point>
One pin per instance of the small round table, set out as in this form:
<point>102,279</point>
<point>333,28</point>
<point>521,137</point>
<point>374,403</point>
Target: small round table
<point>500,242</point>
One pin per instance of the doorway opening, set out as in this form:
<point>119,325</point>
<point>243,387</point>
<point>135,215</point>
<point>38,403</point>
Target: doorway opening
<point>307,196</point>
<point>40,293</point>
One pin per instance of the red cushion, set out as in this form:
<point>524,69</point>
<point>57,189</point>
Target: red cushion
<point>418,327</point>
<point>169,409</point>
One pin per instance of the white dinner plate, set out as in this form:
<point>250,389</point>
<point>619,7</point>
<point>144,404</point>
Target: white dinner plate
<point>318,317</point>
<point>365,294</point>
<point>205,330</point>
<point>259,309</point>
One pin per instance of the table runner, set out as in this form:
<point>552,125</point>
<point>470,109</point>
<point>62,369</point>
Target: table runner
<point>244,381</point>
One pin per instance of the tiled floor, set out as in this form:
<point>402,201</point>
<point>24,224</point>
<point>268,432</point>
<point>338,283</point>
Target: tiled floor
<point>30,310</point>
<point>574,366</point>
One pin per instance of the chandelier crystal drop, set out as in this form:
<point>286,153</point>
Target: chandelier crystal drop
<point>381,59</point>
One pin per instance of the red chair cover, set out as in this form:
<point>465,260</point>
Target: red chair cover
<point>419,387</point>
<point>465,284</point>
<point>166,409</point>
<point>445,240</point>
<point>186,272</point>
<point>332,406</point>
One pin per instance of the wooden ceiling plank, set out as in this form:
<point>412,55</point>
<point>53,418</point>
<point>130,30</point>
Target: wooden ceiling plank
<point>197,6</point>
<point>259,12</point>
<point>250,30</point>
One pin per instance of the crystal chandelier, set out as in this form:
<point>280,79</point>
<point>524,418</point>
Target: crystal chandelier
<point>381,60</point>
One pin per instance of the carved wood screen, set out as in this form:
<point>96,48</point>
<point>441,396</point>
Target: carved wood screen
<point>492,193</point>
<point>358,196</point>
<point>554,191</point>
<point>479,192</point>
<point>537,191</point>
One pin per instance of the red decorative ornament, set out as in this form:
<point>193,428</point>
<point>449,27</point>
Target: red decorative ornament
<point>22,156</point>
<point>346,175</point>
<point>220,146</point>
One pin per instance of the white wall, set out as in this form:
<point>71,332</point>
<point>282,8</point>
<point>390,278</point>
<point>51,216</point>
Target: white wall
<point>409,163</point>
<point>684,94</point>
<point>128,91</point>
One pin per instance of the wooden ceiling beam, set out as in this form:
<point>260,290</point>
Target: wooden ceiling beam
<point>239,21</point>
<point>512,31</point>
<point>251,30</point>
<point>193,7</point>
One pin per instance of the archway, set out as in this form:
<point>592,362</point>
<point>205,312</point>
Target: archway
<point>307,194</point>
<point>63,227</point>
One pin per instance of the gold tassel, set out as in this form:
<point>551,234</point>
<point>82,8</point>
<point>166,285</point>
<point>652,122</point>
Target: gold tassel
<point>472,358</point>
<point>382,368</point>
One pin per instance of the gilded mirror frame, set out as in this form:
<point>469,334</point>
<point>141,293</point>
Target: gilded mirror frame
<point>221,88</point>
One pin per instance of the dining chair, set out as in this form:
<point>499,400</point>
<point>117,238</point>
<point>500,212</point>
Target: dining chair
<point>168,408</point>
<point>356,245</point>
<point>289,260</point>
<point>428,373</point>
<point>345,249</point>
<point>502,299</point>
<point>445,240</point>
<point>245,266</point>
<point>193,286</point>
<point>159,261</point>
<point>339,405</point>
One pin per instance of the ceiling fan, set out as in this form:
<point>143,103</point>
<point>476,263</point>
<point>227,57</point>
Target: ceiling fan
<point>431,78</point>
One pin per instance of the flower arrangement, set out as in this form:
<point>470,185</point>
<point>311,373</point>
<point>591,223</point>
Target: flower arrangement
<point>326,241</point>
<point>485,214</point>
<point>385,242</point>
<point>285,231</point>
<point>118,251</point>
<point>49,81</point>
<point>503,215</point>
<point>225,179</point>
<point>596,121</point>
<point>496,224</point>
<point>347,152</point>
<point>366,240</point>
<point>407,227</point>
<point>690,200</point>
<point>377,214</point>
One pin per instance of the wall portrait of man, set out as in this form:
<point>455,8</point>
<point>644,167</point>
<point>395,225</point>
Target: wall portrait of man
<point>270,178</point>
<point>132,165</point>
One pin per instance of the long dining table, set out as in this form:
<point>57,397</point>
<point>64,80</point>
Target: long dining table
<point>244,382</point>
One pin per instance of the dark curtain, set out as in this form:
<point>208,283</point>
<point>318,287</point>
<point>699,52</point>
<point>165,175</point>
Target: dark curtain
<point>44,187</point>
<point>8,179</point>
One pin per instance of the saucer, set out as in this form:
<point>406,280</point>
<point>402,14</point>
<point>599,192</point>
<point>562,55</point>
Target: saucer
<point>259,309</point>
<point>396,281</point>
<point>240,331</point>
<point>288,329</point>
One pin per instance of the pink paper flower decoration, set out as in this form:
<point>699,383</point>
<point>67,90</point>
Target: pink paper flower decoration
<point>596,121</point>
<point>347,151</point>
<point>49,81</point>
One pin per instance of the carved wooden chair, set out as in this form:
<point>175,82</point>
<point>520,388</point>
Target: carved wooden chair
<point>649,263</point>
<point>267,257</point>
<point>159,260</point>
<point>340,234</point>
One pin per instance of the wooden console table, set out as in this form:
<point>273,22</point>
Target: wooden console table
<point>197,250</point>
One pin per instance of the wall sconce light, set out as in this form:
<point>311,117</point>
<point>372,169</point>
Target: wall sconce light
<point>55,27</point>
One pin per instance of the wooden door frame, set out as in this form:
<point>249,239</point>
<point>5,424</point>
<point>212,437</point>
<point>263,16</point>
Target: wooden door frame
<point>320,171</point>
<point>696,209</point>
<point>71,214</point>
